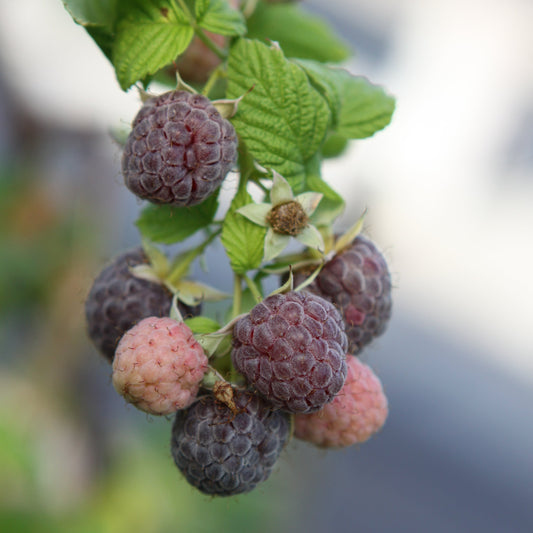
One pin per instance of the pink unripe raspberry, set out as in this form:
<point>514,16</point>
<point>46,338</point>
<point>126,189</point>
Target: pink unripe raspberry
<point>158,366</point>
<point>357,412</point>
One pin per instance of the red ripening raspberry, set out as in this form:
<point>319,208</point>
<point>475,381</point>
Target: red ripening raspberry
<point>357,281</point>
<point>179,150</point>
<point>357,412</point>
<point>291,348</point>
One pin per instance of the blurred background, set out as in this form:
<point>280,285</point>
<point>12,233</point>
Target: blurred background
<point>449,191</point>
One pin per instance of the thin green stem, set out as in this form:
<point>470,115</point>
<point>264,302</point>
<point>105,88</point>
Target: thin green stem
<point>237,295</point>
<point>248,7</point>
<point>256,182</point>
<point>186,10</point>
<point>215,76</point>
<point>182,263</point>
<point>253,289</point>
<point>221,53</point>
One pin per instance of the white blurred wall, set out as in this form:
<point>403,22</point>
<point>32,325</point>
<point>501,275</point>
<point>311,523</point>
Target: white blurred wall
<point>453,214</point>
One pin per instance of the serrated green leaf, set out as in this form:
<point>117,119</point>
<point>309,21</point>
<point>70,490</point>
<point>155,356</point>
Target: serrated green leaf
<point>328,82</point>
<point>242,239</point>
<point>358,108</point>
<point>149,35</point>
<point>366,109</point>
<point>168,225</point>
<point>202,324</point>
<point>283,120</point>
<point>298,33</point>
<point>218,17</point>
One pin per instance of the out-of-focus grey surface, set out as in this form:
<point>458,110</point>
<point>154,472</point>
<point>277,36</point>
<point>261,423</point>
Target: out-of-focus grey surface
<point>454,455</point>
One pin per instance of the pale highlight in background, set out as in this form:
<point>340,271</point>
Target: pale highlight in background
<point>454,219</point>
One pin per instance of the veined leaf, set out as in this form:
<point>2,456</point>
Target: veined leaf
<point>358,108</point>
<point>218,17</point>
<point>283,119</point>
<point>167,225</point>
<point>149,35</point>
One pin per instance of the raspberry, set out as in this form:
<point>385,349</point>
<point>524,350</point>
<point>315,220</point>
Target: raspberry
<point>179,150</point>
<point>357,281</point>
<point>224,453</point>
<point>118,300</point>
<point>159,365</point>
<point>291,348</point>
<point>357,412</point>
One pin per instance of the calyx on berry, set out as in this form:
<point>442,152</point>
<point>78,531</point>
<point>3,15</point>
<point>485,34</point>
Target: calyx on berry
<point>285,217</point>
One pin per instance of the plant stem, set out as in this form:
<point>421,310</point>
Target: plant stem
<point>237,295</point>
<point>215,76</point>
<point>222,54</point>
<point>186,10</point>
<point>253,289</point>
<point>182,263</point>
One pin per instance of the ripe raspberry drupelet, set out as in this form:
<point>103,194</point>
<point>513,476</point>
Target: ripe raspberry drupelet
<point>118,300</point>
<point>224,453</point>
<point>357,412</point>
<point>358,282</point>
<point>158,366</point>
<point>291,348</point>
<point>179,150</point>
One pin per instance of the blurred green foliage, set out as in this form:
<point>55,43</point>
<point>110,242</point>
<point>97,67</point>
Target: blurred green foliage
<point>139,490</point>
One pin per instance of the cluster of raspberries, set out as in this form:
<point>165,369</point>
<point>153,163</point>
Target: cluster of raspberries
<point>295,351</point>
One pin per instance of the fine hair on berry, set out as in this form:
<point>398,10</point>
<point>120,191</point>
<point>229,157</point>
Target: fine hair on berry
<point>179,150</point>
<point>291,348</point>
<point>224,453</point>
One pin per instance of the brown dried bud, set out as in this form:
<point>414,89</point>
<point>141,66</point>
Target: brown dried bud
<point>288,218</point>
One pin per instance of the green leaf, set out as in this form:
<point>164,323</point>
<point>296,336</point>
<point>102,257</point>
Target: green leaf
<point>283,120</point>
<point>331,205</point>
<point>298,33</point>
<point>334,145</point>
<point>167,225</point>
<point>98,18</point>
<point>92,12</point>
<point>218,17</point>
<point>149,35</point>
<point>242,239</point>
<point>202,324</point>
<point>366,109</point>
<point>358,108</point>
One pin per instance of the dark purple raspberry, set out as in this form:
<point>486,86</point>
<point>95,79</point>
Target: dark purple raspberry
<point>358,282</point>
<point>225,453</point>
<point>292,349</point>
<point>118,300</point>
<point>179,150</point>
